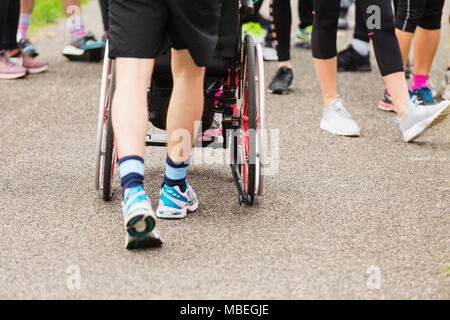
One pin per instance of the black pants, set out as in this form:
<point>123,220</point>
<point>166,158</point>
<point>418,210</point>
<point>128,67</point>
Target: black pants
<point>9,21</point>
<point>104,7</point>
<point>282,20</point>
<point>381,31</point>
<point>423,13</point>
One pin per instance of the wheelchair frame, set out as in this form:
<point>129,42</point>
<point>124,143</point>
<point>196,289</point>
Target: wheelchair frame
<point>242,104</point>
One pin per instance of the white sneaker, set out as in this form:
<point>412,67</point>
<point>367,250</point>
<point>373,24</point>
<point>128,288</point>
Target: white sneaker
<point>336,119</point>
<point>418,118</point>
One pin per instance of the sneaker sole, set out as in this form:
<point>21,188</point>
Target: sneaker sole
<point>151,240</point>
<point>324,126</point>
<point>419,128</point>
<point>37,70</point>
<point>182,213</point>
<point>91,54</point>
<point>386,106</point>
<point>5,76</point>
<point>278,91</point>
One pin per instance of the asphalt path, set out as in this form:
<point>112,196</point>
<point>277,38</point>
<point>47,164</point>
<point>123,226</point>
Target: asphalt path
<point>339,214</point>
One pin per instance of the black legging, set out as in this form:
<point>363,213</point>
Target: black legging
<point>282,19</point>
<point>385,44</point>
<point>104,7</point>
<point>9,21</point>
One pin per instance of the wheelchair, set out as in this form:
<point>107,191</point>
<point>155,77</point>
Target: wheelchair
<point>233,88</point>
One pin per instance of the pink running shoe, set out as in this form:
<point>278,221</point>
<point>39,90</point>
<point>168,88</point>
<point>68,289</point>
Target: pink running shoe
<point>386,103</point>
<point>30,63</point>
<point>9,70</point>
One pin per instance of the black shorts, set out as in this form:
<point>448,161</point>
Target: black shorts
<point>147,28</point>
<point>423,13</point>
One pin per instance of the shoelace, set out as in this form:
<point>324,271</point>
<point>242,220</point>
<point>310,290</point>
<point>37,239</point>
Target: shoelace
<point>342,112</point>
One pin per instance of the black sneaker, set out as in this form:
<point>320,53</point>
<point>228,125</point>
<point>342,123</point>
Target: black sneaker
<point>350,60</point>
<point>281,82</point>
<point>424,95</point>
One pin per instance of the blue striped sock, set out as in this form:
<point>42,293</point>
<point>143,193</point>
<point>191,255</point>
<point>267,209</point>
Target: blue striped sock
<point>176,174</point>
<point>131,170</point>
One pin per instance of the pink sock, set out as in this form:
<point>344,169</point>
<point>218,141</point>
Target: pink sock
<point>419,82</point>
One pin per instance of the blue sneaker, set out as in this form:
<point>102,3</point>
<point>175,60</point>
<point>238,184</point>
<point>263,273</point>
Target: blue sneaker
<point>174,204</point>
<point>424,95</point>
<point>139,220</point>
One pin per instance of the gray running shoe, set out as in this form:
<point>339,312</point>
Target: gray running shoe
<point>336,119</point>
<point>418,118</point>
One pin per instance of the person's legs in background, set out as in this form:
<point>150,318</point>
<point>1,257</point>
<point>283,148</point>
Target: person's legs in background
<point>82,44</point>
<point>336,119</point>
<point>305,13</point>
<point>9,20</point>
<point>357,55</point>
<point>282,19</point>
<point>413,119</point>
<point>25,53</point>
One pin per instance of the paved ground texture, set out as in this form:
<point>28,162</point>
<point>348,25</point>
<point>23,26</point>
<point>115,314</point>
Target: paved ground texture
<point>339,212</point>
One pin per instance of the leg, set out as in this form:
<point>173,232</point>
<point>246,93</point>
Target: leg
<point>336,118</point>
<point>26,8</point>
<point>427,37</point>
<point>324,47</point>
<point>186,105</point>
<point>281,14</point>
<point>387,51</point>
<point>129,109</point>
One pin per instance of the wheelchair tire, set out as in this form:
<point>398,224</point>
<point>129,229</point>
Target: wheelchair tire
<point>105,151</point>
<point>249,123</point>
<point>110,160</point>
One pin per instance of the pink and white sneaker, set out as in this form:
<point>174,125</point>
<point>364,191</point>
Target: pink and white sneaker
<point>31,64</point>
<point>386,103</point>
<point>8,69</point>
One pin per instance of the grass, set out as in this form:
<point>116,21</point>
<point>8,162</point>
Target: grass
<point>47,12</point>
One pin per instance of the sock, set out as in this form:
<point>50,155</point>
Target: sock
<point>131,170</point>
<point>360,46</point>
<point>176,174</point>
<point>419,82</point>
<point>24,24</point>
<point>76,26</point>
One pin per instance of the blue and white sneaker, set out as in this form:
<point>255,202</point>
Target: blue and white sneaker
<point>174,204</point>
<point>139,220</point>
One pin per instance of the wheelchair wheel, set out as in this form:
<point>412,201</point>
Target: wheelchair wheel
<point>105,147</point>
<point>249,141</point>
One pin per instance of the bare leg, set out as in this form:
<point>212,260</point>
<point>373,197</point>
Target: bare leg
<point>404,41</point>
<point>327,74</point>
<point>426,44</point>
<point>26,6</point>
<point>71,7</point>
<point>186,105</point>
<point>129,109</point>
